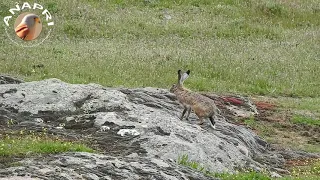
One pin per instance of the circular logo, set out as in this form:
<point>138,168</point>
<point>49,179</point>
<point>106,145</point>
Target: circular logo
<point>28,25</point>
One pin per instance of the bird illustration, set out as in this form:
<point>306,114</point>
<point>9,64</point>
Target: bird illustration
<point>27,28</point>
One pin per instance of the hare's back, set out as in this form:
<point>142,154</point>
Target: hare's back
<point>204,108</point>
<point>196,99</point>
<point>203,101</point>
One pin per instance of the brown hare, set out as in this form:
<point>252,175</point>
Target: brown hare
<point>203,106</point>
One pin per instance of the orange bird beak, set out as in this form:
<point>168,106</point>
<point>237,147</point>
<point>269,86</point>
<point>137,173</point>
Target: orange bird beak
<point>22,30</point>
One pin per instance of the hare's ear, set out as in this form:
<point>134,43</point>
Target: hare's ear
<point>179,75</point>
<point>184,76</point>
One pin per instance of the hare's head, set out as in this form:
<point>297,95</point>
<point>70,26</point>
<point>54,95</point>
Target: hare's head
<point>181,79</point>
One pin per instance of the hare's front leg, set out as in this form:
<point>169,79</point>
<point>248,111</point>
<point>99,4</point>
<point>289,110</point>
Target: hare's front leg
<point>184,111</point>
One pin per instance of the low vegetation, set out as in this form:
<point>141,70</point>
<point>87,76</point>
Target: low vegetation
<point>310,170</point>
<point>20,144</point>
<point>298,119</point>
<point>287,122</point>
<point>185,161</point>
<point>285,134</point>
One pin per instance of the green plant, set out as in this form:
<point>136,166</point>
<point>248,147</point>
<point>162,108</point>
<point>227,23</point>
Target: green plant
<point>22,143</point>
<point>184,160</point>
<point>298,119</point>
<point>242,176</point>
<point>246,174</point>
<point>250,122</point>
<point>309,172</point>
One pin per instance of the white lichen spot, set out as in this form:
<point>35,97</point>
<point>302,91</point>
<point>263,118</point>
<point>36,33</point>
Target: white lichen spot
<point>243,150</point>
<point>70,119</point>
<point>104,128</point>
<point>133,132</point>
<point>38,120</point>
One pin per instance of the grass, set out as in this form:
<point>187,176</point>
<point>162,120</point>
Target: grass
<point>310,171</point>
<point>264,129</point>
<point>185,161</point>
<point>284,133</point>
<point>263,47</point>
<point>313,169</point>
<point>300,104</point>
<point>290,123</point>
<point>298,119</point>
<point>12,145</point>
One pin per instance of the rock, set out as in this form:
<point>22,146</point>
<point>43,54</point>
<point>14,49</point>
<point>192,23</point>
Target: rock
<point>69,118</point>
<point>38,120</point>
<point>101,118</point>
<point>91,176</point>
<point>19,178</point>
<point>44,171</point>
<point>104,128</point>
<point>9,80</point>
<point>275,175</point>
<point>282,171</point>
<point>132,132</point>
<point>243,150</point>
<point>289,154</point>
<point>138,130</point>
<point>81,165</point>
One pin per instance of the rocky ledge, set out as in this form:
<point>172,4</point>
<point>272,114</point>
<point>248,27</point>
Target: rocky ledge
<point>137,131</point>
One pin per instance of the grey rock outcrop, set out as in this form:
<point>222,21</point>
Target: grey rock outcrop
<point>4,79</point>
<point>138,131</point>
<point>82,165</point>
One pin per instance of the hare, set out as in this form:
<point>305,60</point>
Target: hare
<point>203,106</point>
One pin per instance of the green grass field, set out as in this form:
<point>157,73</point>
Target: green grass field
<point>268,47</point>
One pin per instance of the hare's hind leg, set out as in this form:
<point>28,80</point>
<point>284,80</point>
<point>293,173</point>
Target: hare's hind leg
<point>188,114</point>
<point>184,112</point>
<point>201,121</point>
<point>200,118</point>
<point>212,122</point>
